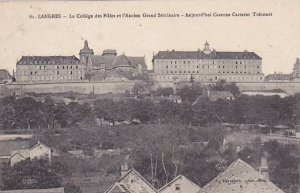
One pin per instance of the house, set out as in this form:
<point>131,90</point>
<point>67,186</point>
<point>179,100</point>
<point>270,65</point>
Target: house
<point>132,182</point>
<point>38,151</point>
<point>240,177</point>
<point>49,190</point>
<point>180,184</point>
<point>223,95</point>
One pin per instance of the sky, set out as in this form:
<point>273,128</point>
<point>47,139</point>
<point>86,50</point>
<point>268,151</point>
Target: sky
<point>276,39</point>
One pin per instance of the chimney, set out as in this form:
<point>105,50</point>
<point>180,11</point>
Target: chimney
<point>264,166</point>
<point>124,168</point>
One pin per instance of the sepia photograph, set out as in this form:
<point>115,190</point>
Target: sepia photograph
<point>153,96</point>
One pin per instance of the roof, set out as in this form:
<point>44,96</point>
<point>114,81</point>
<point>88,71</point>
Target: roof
<point>240,177</point>
<point>50,190</point>
<point>4,74</point>
<point>38,144</point>
<point>124,176</point>
<point>119,188</point>
<point>48,60</point>
<point>112,61</point>
<point>201,55</point>
<point>279,76</point>
<point>176,179</point>
<point>21,152</point>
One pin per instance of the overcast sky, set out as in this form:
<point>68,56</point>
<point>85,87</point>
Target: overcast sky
<point>276,39</point>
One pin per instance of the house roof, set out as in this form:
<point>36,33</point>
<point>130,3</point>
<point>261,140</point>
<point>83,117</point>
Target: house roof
<point>240,177</point>
<point>119,188</point>
<point>50,190</point>
<point>124,176</point>
<point>179,177</point>
<point>201,55</point>
<point>38,144</point>
<point>21,152</point>
<point>48,60</point>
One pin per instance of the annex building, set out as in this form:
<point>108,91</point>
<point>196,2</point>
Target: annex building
<point>207,66</point>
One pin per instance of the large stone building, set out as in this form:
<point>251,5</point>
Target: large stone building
<point>49,68</point>
<point>207,66</point>
<point>110,66</point>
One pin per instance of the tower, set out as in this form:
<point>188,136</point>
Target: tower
<point>206,49</point>
<point>85,53</point>
<point>296,69</point>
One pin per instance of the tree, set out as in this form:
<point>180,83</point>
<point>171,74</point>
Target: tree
<point>35,174</point>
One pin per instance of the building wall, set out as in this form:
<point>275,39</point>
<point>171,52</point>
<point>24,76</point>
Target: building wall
<point>104,87</point>
<point>185,186</point>
<point>15,159</point>
<point>208,69</point>
<point>42,73</point>
<point>134,182</point>
<point>40,151</point>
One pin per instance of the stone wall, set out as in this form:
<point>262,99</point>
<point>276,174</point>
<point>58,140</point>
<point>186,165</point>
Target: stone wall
<point>120,87</point>
<point>290,87</point>
<point>77,87</point>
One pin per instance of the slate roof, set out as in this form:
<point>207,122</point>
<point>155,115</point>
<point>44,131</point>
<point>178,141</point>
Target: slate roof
<point>50,190</point>
<point>200,55</point>
<point>240,177</point>
<point>112,61</point>
<point>48,60</point>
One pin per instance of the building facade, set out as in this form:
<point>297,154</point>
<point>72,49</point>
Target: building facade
<point>207,66</point>
<point>110,65</point>
<point>180,184</point>
<point>49,69</point>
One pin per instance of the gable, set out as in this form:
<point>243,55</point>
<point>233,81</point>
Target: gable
<point>180,184</point>
<point>240,177</point>
<point>136,183</point>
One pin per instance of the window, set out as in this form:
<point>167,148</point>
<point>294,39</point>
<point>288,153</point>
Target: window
<point>177,187</point>
<point>67,67</point>
<point>40,67</point>
<point>63,67</point>
<point>71,72</point>
<point>167,66</point>
<point>76,67</point>
<point>57,67</point>
<point>257,67</point>
<point>57,72</point>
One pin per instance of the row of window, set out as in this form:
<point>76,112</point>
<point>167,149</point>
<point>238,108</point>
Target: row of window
<point>38,78</point>
<point>54,72</point>
<point>45,62</point>
<point>207,61</point>
<point>216,66</point>
<point>208,78</point>
<point>193,72</point>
